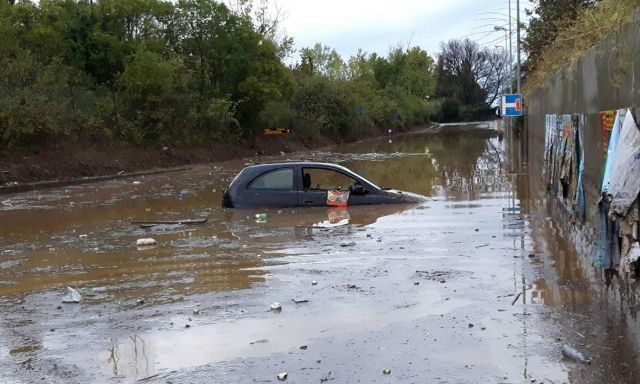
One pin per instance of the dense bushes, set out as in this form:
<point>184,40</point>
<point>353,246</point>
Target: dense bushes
<point>147,72</point>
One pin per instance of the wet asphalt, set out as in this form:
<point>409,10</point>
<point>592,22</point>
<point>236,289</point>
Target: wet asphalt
<point>476,285</point>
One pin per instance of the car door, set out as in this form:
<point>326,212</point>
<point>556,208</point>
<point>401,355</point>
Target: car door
<point>317,181</point>
<point>276,188</point>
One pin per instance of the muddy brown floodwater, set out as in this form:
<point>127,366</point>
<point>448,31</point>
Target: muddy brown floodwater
<point>473,286</point>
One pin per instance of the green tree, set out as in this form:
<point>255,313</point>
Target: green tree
<point>548,17</point>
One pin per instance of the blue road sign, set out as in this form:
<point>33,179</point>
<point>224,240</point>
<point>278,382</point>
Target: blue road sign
<point>511,104</point>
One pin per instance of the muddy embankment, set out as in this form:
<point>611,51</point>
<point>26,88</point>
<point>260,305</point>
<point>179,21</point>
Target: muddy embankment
<point>59,164</point>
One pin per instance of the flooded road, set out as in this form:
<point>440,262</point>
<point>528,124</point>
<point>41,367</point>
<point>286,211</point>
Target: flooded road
<point>474,286</point>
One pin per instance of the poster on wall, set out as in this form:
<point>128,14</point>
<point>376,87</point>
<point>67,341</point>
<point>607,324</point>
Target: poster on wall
<point>606,124</point>
<point>625,178</point>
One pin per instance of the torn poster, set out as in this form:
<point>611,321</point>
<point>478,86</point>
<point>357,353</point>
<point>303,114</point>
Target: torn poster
<point>610,154</point>
<point>625,178</point>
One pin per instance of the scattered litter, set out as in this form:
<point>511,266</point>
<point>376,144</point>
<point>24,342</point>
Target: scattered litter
<point>351,244</point>
<point>72,296</point>
<point>516,298</point>
<point>532,255</point>
<point>276,306</point>
<point>300,301</point>
<point>470,325</point>
<point>196,311</point>
<point>416,283</point>
<point>83,236</point>
<point>120,173</point>
<point>352,286</point>
<point>327,377</point>
<point>187,326</point>
<point>573,354</point>
<point>482,245</point>
<point>261,341</point>
<point>282,376</point>
<point>303,347</point>
<point>146,242</point>
<point>139,302</point>
<point>261,217</point>
<point>386,371</point>
<point>137,182</point>
<point>477,229</point>
<point>314,282</point>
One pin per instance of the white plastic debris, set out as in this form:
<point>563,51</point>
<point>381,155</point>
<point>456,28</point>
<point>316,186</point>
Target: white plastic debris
<point>314,282</point>
<point>386,371</point>
<point>634,253</point>
<point>276,306</point>
<point>72,296</point>
<point>573,354</point>
<point>282,376</point>
<point>146,242</point>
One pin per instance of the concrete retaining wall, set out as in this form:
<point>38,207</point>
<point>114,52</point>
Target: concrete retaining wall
<point>606,78</point>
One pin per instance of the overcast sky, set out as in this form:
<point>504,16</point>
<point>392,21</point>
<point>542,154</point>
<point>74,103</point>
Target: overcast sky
<point>377,25</point>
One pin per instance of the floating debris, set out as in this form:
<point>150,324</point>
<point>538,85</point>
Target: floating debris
<point>72,296</point>
<point>300,301</point>
<point>146,242</point>
<point>282,376</point>
<point>276,306</point>
<point>386,371</point>
<point>350,244</point>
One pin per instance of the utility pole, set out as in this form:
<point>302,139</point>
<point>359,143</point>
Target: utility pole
<point>506,41</point>
<point>518,40</point>
<point>510,53</point>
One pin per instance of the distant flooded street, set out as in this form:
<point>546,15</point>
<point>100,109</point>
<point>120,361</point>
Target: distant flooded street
<point>475,285</point>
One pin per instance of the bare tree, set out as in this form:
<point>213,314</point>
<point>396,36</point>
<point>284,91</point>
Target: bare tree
<point>470,73</point>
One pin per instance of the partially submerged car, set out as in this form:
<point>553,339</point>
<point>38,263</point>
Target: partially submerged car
<point>307,184</point>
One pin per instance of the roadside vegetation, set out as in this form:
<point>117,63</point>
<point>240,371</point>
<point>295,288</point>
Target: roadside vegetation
<point>560,32</point>
<point>152,72</point>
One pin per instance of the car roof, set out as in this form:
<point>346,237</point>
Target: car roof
<point>252,169</point>
<point>297,163</point>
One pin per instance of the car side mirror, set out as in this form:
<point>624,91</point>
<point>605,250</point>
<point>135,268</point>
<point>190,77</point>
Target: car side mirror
<point>359,190</point>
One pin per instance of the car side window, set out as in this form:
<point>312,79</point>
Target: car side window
<point>281,179</point>
<point>326,179</point>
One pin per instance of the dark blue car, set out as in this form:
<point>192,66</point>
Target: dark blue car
<point>305,184</point>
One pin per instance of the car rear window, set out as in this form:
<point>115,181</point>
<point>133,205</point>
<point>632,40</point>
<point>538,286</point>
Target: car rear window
<point>280,179</point>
